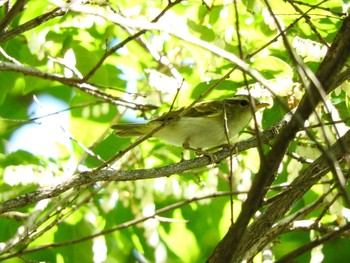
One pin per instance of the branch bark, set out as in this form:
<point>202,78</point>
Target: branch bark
<point>73,82</point>
<point>92,177</point>
<point>11,14</point>
<point>227,249</point>
<point>259,233</point>
<point>30,24</point>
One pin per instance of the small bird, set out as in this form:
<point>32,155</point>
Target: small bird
<point>203,126</point>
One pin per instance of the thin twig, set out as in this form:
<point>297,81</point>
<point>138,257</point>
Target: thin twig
<point>299,251</point>
<point>88,178</point>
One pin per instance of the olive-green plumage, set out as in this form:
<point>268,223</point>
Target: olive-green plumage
<point>203,126</point>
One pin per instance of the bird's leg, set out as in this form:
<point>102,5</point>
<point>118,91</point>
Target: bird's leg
<point>221,146</point>
<point>200,151</point>
<point>184,153</point>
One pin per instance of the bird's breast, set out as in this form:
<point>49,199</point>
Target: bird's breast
<point>198,132</point>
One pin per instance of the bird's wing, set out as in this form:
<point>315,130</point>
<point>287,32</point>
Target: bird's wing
<point>202,109</point>
<point>208,108</point>
<point>169,116</point>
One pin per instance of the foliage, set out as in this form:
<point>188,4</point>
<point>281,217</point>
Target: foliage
<point>71,190</point>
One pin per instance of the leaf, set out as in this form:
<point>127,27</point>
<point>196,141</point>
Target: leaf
<point>226,88</point>
<point>272,115</point>
<point>21,157</point>
<point>273,67</point>
<point>253,6</point>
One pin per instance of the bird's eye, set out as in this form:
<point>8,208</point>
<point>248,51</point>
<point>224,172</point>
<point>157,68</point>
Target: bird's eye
<point>243,103</point>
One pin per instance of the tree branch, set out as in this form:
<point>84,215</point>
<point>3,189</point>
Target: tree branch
<point>32,23</point>
<point>87,178</point>
<point>314,243</point>
<point>77,83</point>
<point>11,14</point>
<point>226,251</point>
<point>113,49</point>
<point>260,231</point>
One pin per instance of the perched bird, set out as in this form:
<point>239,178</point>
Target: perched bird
<point>204,125</point>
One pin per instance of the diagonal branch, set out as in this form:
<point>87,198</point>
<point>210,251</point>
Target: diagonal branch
<point>11,14</point>
<point>128,39</point>
<point>77,83</point>
<point>37,21</point>
<point>315,243</point>
<point>335,59</point>
<point>87,178</point>
<point>260,231</point>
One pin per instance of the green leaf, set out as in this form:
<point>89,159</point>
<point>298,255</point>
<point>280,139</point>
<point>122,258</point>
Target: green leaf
<point>273,67</point>
<point>272,115</point>
<point>21,157</point>
<point>206,33</point>
<point>224,89</point>
<point>253,6</point>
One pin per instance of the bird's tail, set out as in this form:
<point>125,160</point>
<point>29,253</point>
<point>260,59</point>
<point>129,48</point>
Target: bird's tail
<point>130,130</point>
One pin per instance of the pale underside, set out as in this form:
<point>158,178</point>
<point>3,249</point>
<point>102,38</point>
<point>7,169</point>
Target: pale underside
<point>205,125</point>
<point>207,132</point>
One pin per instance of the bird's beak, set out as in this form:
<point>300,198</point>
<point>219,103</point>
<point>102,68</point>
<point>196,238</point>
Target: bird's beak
<point>261,105</point>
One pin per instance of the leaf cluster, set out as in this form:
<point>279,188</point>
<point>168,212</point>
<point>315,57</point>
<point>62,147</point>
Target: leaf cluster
<point>71,190</point>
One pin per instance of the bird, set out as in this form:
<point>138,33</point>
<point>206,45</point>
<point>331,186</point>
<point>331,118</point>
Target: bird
<point>207,124</point>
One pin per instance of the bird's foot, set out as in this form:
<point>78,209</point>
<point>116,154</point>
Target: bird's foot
<point>201,152</point>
